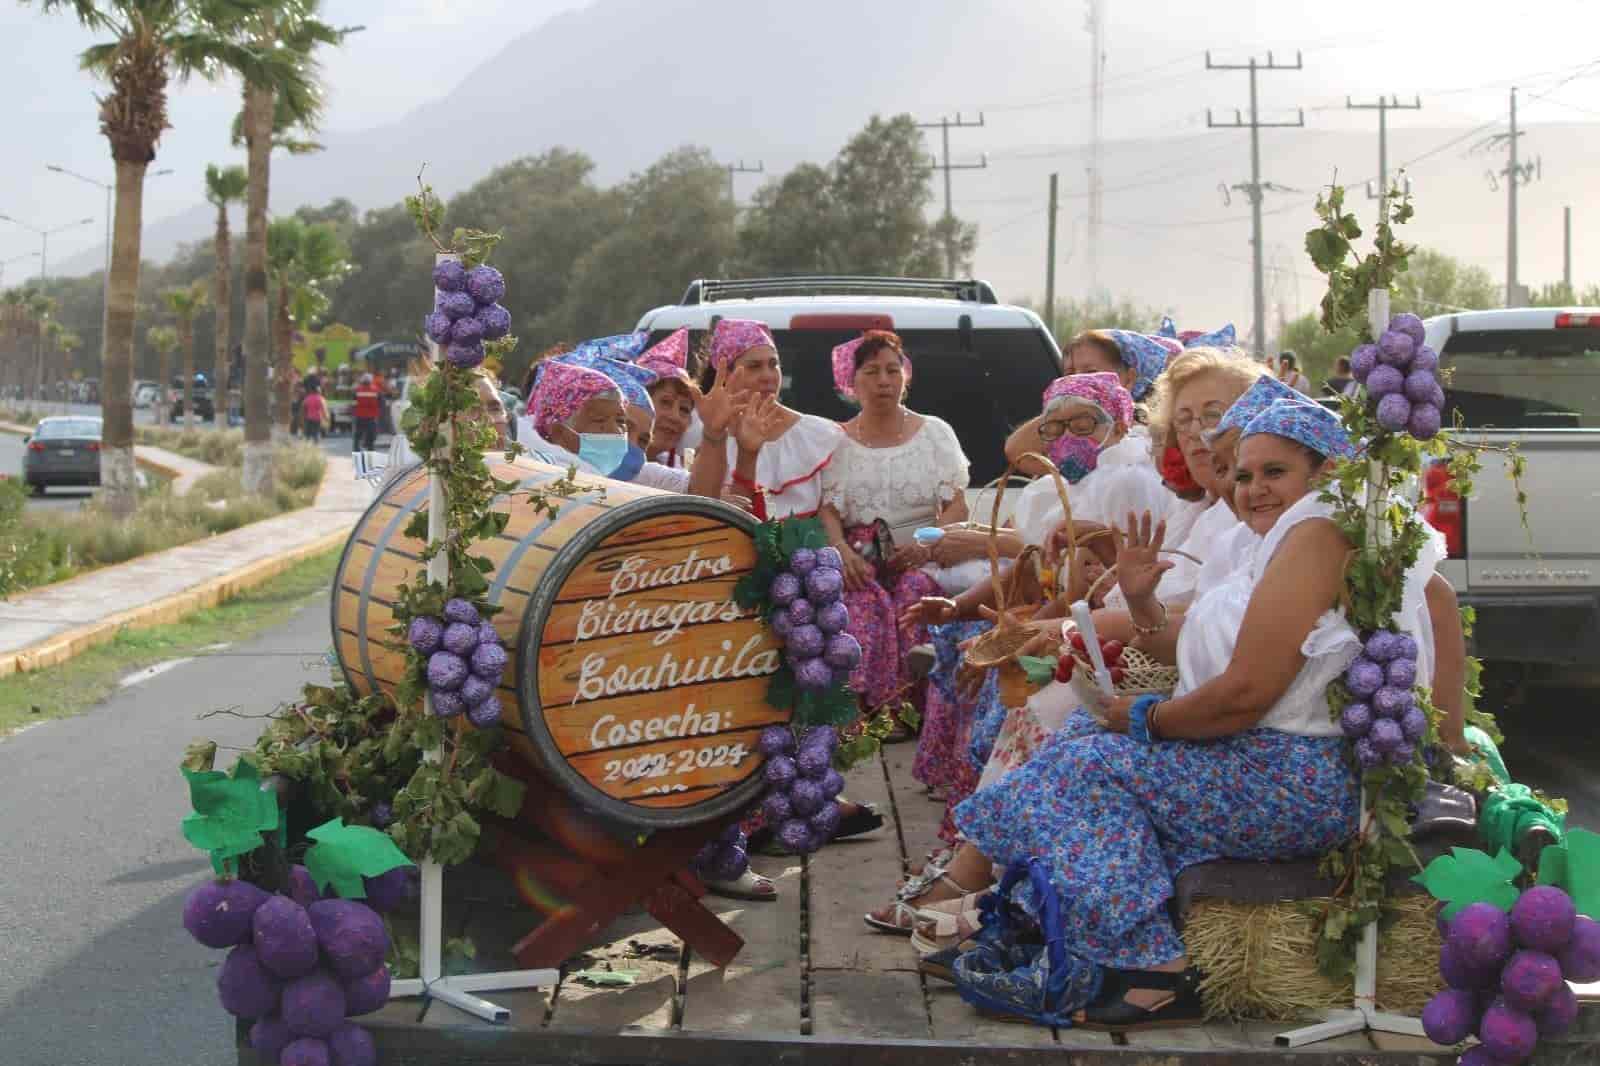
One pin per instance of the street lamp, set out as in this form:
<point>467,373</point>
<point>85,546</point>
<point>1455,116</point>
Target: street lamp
<point>109,189</point>
<point>44,238</point>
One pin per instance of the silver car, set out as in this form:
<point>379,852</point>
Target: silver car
<point>62,451</point>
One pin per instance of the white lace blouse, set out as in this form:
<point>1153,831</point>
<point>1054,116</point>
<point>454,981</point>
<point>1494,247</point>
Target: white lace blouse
<point>905,485</point>
<point>1211,630</point>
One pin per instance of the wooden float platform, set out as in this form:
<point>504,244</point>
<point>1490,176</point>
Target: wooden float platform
<point>813,985</point>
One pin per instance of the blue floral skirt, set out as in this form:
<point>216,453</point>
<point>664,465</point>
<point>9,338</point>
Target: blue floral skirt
<point>1116,821</point>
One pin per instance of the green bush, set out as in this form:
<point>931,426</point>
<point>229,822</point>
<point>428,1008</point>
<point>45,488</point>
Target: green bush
<point>218,447</point>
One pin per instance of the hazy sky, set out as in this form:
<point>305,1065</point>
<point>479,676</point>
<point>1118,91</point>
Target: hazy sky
<point>1459,56</point>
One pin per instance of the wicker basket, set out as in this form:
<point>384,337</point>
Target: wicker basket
<point>1141,676</point>
<point>1010,633</point>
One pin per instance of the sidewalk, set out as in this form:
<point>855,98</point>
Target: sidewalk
<point>50,625</point>
<point>183,471</point>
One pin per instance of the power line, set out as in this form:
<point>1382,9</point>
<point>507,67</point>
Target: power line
<point>1255,188</point>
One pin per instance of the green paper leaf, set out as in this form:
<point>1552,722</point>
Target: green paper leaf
<point>1574,865</point>
<point>1041,669</point>
<point>1470,876</point>
<point>606,977</point>
<point>344,854</point>
<point>230,812</point>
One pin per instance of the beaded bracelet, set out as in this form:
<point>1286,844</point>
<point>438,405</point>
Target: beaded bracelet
<point>1139,718</point>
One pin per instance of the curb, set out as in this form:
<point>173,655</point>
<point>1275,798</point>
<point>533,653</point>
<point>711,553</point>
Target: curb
<point>63,646</point>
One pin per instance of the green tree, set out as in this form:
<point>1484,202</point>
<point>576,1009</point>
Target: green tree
<point>185,304</point>
<point>1435,283</point>
<point>224,186</point>
<point>164,340</point>
<point>677,223</point>
<point>291,30</point>
<point>1072,317</point>
<point>790,224</point>
<point>303,262</point>
<point>151,41</point>
<point>1560,294</point>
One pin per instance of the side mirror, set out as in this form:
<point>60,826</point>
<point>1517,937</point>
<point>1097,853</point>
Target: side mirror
<point>26,437</point>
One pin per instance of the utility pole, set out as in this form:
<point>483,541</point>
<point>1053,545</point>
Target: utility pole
<point>1050,263</point>
<point>740,168</point>
<point>1255,188</point>
<point>1096,25</point>
<point>1383,107</point>
<point>944,126</point>
<point>1566,252</point>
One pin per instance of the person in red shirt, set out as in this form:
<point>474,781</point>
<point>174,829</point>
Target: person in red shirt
<point>314,412</point>
<point>366,415</point>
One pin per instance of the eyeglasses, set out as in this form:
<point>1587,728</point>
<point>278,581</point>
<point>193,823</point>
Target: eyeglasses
<point>1208,419</point>
<point>1085,424</point>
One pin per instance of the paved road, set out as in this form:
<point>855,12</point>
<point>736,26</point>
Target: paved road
<point>94,965</point>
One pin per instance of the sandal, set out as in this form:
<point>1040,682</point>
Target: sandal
<point>948,924</point>
<point>901,917</point>
<point>917,884</point>
<point>1111,1013</point>
<point>748,885</point>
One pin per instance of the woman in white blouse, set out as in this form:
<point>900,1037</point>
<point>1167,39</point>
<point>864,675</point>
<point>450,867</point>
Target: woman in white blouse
<point>894,472</point>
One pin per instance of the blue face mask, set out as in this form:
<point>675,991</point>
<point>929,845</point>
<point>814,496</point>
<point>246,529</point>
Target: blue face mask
<point>630,466</point>
<point>603,451</point>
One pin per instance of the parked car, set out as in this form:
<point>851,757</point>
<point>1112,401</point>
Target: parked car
<point>979,364</point>
<point>145,393</point>
<point>1529,378</point>
<point>64,450</point>
<point>204,396</point>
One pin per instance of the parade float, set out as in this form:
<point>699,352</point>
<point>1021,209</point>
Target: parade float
<point>592,687</point>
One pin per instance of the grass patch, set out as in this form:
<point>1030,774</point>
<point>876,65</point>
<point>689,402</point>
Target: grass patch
<point>84,681</point>
<point>23,416</point>
<point>219,447</point>
<point>41,547</point>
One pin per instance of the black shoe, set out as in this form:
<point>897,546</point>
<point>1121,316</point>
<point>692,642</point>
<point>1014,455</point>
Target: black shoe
<point>864,819</point>
<point>1111,1013</point>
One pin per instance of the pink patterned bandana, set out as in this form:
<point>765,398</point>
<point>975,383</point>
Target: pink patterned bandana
<point>669,357</point>
<point>562,388</point>
<point>735,336</point>
<point>844,366</point>
<point>1102,390</point>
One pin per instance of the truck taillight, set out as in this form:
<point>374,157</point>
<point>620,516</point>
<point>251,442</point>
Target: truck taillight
<point>1444,509</point>
<point>1577,320</point>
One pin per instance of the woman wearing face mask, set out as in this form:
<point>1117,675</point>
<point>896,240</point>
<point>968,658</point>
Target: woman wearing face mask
<point>1242,762</point>
<point>896,470</point>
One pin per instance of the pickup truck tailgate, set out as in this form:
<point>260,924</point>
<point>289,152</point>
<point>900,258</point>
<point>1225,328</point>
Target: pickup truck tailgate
<point>1560,546</point>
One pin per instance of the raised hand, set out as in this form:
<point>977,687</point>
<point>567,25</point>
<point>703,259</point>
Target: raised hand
<point>1139,564</point>
<point>760,422</point>
<point>720,406</point>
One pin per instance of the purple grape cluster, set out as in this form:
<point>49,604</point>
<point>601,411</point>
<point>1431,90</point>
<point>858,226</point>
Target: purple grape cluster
<point>300,967</point>
<point>1507,975</point>
<point>466,311</point>
<point>1384,720</point>
<point>1401,375</point>
<point>809,617</point>
<point>465,661</point>
<point>724,858</point>
<point>801,803</point>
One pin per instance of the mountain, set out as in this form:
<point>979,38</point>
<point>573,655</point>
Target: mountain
<point>764,80</point>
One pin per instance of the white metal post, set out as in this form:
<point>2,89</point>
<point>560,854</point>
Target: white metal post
<point>1365,1015</point>
<point>456,991</point>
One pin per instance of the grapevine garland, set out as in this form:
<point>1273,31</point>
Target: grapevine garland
<point>1380,703</point>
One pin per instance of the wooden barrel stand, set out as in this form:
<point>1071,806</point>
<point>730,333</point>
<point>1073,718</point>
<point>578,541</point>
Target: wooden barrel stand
<point>638,686</point>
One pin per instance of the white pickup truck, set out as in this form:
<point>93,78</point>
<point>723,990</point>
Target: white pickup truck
<point>1528,377</point>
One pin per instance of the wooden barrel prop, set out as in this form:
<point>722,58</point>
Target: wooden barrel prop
<point>639,685</point>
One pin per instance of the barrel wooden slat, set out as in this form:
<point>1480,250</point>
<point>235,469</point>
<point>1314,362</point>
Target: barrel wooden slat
<point>621,576</point>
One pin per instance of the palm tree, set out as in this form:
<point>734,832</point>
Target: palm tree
<point>164,339</point>
<point>291,30</point>
<point>40,310</point>
<point>304,262</point>
<point>151,40</point>
<point>185,304</point>
<point>224,186</point>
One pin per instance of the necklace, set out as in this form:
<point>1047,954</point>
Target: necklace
<point>899,431</point>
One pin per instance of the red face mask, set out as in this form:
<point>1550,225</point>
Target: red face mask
<point>1175,472</point>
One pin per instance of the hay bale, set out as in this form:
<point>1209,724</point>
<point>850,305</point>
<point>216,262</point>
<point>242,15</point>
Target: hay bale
<point>1260,961</point>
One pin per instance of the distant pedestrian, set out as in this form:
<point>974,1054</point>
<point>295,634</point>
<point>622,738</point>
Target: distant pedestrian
<point>367,409</point>
<point>1289,373</point>
<point>314,411</point>
<point>1341,383</point>
<point>297,399</point>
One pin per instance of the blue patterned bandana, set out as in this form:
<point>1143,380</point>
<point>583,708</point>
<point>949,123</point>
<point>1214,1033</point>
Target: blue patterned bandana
<point>1226,337</point>
<point>1145,355</point>
<point>1257,398</point>
<point>1311,424</point>
<point>614,357</point>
